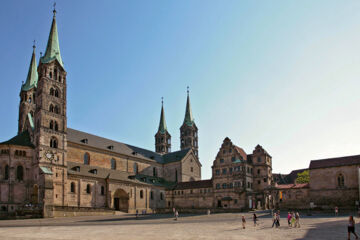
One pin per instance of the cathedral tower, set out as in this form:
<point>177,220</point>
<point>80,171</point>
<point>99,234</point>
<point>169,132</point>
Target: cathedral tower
<point>188,130</point>
<point>162,137</point>
<point>50,119</point>
<point>27,95</point>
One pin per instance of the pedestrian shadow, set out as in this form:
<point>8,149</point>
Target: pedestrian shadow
<point>327,230</point>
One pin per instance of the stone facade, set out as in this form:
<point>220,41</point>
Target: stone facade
<point>60,171</point>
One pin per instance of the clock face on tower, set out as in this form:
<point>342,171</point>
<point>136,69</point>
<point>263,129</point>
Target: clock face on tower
<point>49,155</point>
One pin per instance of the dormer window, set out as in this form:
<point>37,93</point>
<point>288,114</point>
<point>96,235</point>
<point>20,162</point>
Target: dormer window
<point>93,171</point>
<point>76,169</point>
<point>85,140</point>
<point>111,147</point>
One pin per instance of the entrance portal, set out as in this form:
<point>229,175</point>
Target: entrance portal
<point>121,200</point>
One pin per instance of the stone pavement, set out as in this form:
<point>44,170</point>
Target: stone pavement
<point>215,226</point>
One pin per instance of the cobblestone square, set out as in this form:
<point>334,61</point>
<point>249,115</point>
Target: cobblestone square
<point>215,226</point>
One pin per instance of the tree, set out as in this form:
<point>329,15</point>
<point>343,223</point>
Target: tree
<point>303,177</point>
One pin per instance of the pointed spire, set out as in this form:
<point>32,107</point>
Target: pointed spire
<point>52,48</point>
<point>162,124</point>
<point>32,77</point>
<point>188,120</point>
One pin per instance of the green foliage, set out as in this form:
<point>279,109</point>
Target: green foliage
<point>303,177</point>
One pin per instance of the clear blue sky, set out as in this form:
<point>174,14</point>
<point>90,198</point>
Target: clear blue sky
<point>282,74</point>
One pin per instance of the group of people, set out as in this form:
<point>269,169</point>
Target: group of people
<point>293,219</point>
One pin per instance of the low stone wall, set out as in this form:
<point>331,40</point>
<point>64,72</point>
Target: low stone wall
<point>58,211</point>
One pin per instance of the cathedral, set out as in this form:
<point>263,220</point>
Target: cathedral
<point>59,171</point>
<point>51,170</point>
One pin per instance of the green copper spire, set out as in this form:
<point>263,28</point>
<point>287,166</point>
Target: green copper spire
<point>52,48</point>
<point>188,120</point>
<point>162,124</point>
<point>32,77</point>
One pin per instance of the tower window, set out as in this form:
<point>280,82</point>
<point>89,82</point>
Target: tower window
<point>192,169</point>
<point>72,187</point>
<point>51,124</point>
<point>51,108</point>
<point>57,110</point>
<point>56,126</point>
<point>56,93</point>
<point>259,159</point>
<point>20,173</point>
<point>6,174</point>
<point>51,92</point>
<point>88,189</point>
<point>87,159</point>
<point>102,190</point>
<point>141,194</point>
<point>53,142</point>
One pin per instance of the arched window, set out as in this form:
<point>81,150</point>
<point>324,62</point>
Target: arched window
<point>55,74</point>
<point>87,159</point>
<point>340,179</point>
<point>56,126</point>
<point>102,190</point>
<point>57,110</point>
<point>50,74</point>
<point>53,142</point>
<point>88,189</point>
<point>136,168</point>
<point>113,164</point>
<point>51,124</point>
<point>141,194</point>
<point>51,92</point>
<point>20,173</point>
<point>6,173</point>
<point>72,187</point>
<point>51,108</point>
<point>56,93</point>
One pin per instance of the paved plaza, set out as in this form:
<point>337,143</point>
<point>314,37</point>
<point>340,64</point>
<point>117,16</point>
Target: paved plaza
<point>215,226</point>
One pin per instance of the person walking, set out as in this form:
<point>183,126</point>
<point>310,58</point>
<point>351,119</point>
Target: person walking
<point>176,215</point>
<point>274,220</point>
<point>336,211</point>
<point>297,220</point>
<point>289,219</point>
<point>278,219</point>
<point>254,219</point>
<point>293,219</point>
<point>243,221</point>
<point>351,227</point>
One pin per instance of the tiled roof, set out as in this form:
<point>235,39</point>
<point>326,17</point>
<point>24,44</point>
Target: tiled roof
<point>194,184</point>
<point>335,162</point>
<point>22,139</point>
<point>292,186</point>
<point>78,137</point>
<point>175,156</point>
<point>241,152</point>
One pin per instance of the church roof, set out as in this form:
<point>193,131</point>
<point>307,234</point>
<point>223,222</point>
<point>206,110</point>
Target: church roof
<point>188,120</point>
<point>87,139</point>
<point>162,125</point>
<point>22,139</point>
<point>335,162</point>
<point>32,77</point>
<point>52,48</point>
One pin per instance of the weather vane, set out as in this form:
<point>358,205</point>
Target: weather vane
<point>162,100</point>
<point>188,90</point>
<point>34,44</point>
